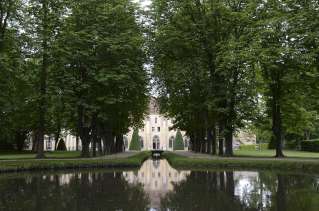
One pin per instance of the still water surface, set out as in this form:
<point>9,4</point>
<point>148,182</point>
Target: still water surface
<point>157,186</point>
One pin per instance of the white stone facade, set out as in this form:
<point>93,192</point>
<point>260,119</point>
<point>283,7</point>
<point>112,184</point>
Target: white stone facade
<point>49,142</point>
<point>157,132</point>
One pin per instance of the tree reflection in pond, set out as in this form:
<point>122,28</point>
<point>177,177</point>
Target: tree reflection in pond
<point>78,191</point>
<point>232,191</point>
<point>158,186</point>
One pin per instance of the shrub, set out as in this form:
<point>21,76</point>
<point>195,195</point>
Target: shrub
<point>310,145</point>
<point>291,144</point>
<point>178,142</point>
<point>135,142</point>
<point>254,146</point>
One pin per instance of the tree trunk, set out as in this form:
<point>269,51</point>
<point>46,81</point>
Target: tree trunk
<point>77,143</point>
<point>113,146</point>
<point>57,137</point>
<point>191,141</point>
<point>222,181</point>
<point>221,141</point>
<point>20,138</point>
<point>107,143</point>
<point>94,134</point>
<point>94,146</point>
<point>43,79</point>
<point>199,142</point>
<point>85,138</point>
<point>119,143</point>
<point>99,146</point>
<point>230,184</point>
<point>209,140</point>
<point>34,141</point>
<point>84,132</point>
<point>281,198</point>
<point>229,141</point>
<point>214,141</point>
<point>276,116</point>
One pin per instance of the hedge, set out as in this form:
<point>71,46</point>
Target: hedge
<point>254,146</point>
<point>178,142</point>
<point>310,145</point>
<point>135,142</point>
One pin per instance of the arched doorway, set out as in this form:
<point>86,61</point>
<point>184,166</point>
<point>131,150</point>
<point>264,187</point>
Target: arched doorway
<point>156,142</point>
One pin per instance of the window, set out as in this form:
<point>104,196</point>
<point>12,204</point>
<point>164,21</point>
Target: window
<point>171,140</point>
<point>153,129</point>
<point>156,143</point>
<point>158,129</point>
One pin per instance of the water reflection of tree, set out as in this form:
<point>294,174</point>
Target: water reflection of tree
<point>287,192</point>
<point>216,191</point>
<point>86,191</point>
<point>204,191</point>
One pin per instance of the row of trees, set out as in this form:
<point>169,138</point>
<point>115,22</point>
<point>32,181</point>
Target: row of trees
<point>71,65</point>
<point>221,65</point>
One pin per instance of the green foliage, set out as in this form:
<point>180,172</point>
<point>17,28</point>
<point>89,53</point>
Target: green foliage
<point>255,147</point>
<point>64,61</point>
<point>310,146</point>
<point>235,63</point>
<point>178,142</point>
<point>200,49</point>
<point>135,141</point>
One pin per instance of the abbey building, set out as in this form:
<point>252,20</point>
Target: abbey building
<point>157,132</point>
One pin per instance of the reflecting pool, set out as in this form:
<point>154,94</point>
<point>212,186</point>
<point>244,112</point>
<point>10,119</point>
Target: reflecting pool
<point>158,186</point>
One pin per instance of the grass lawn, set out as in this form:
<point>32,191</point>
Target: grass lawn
<point>247,161</point>
<point>271,153</point>
<point>27,163</point>
<point>13,155</point>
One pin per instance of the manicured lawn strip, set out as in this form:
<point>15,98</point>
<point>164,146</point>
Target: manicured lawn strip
<point>181,162</point>
<point>63,164</point>
<point>271,153</point>
<point>13,155</point>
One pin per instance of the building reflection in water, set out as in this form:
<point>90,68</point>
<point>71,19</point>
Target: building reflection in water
<point>158,178</point>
